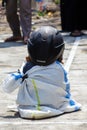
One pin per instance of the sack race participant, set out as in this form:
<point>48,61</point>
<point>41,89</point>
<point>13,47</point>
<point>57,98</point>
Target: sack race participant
<point>44,88</point>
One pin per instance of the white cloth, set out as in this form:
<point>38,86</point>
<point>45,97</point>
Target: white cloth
<point>45,93</point>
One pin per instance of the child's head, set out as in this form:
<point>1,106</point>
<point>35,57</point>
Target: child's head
<point>45,45</point>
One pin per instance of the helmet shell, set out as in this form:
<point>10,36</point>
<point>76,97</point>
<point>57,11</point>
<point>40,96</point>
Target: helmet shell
<point>45,45</point>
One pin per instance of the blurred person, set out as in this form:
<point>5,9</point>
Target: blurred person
<point>73,16</point>
<point>44,88</point>
<point>15,21</point>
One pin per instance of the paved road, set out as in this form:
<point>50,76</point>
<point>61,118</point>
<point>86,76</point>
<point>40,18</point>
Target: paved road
<point>11,58</point>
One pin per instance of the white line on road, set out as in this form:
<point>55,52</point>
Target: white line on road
<point>72,54</point>
<point>42,122</point>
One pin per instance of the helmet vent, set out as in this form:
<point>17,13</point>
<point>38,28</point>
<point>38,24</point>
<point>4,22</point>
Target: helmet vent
<point>30,41</point>
<point>41,61</point>
<point>59,45</point>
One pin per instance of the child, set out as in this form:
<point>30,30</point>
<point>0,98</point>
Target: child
<point>44,89</point>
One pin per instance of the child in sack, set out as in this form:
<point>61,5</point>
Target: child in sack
<point>44,88</point>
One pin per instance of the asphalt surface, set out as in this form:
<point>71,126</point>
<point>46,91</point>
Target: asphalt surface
<point>12,56</point>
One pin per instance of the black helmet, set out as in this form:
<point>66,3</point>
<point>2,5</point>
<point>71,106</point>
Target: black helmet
<point>45,45</point>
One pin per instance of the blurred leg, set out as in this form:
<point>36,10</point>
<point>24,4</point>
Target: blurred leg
<point>12,17</point>
<point>25,17</point>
